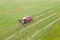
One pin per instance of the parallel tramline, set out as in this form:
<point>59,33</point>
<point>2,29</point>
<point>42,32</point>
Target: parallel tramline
<point>45,13</point>
<point>34,29</point>
<point>24,35</point>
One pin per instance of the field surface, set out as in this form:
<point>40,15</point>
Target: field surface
<point>45,24</point>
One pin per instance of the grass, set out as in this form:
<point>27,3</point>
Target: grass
<point>13,10</point>
<point>28,33</point>
<point>52,34</point>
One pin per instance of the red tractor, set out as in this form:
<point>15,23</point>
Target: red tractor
<point>26,20</point>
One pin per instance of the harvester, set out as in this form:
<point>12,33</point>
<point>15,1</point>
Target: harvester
<point>25,20</point>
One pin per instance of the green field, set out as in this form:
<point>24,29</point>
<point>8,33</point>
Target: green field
<point>45,24</point>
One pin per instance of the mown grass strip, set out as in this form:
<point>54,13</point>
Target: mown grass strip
<point>43,29</point>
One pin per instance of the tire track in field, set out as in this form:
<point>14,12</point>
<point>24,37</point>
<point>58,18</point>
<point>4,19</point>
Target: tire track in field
<point>37,22</point>
<point>33,25</point>
<point>41,15</point>
<point>37,17</point>
<point>43,29</point>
